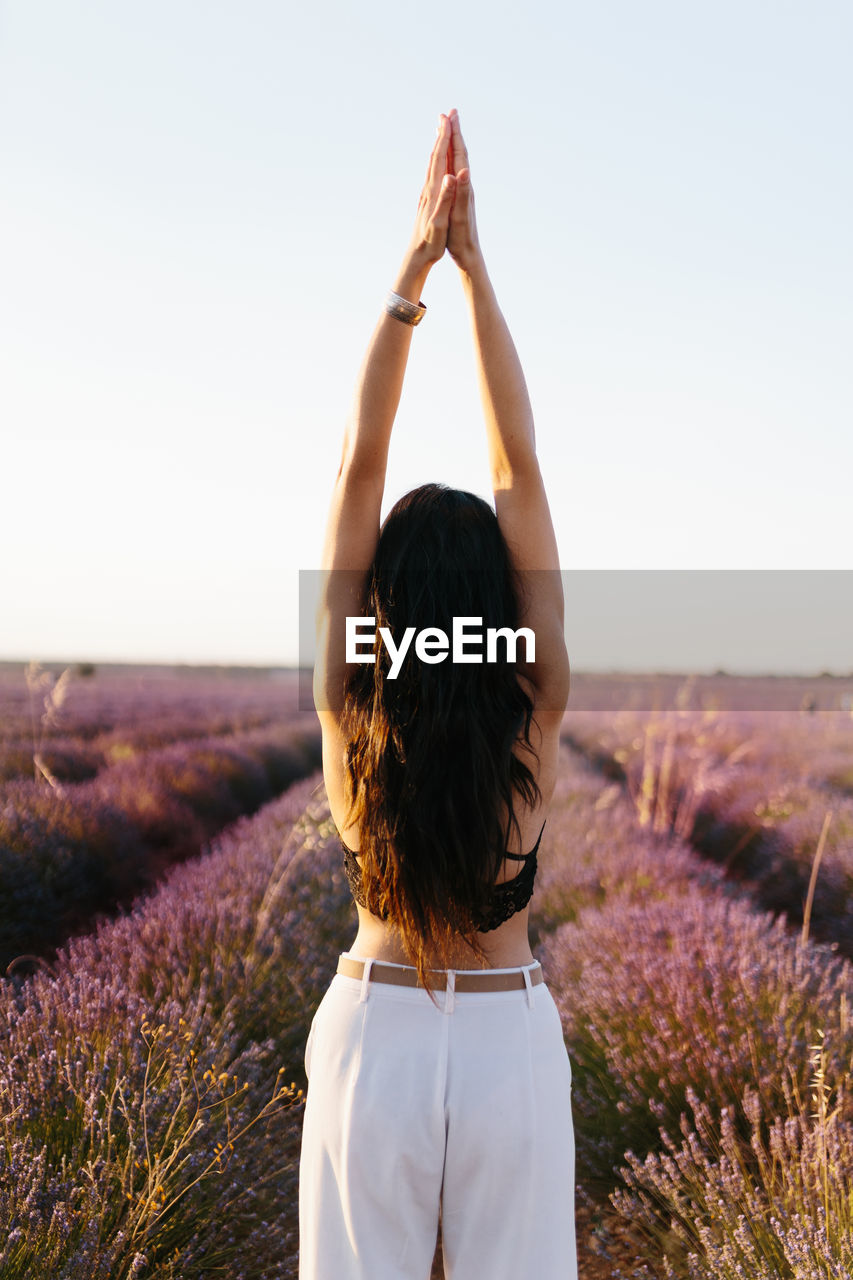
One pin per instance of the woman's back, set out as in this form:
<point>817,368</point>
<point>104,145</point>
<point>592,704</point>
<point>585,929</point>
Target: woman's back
<point>440,762</point>
<point>505,942</point>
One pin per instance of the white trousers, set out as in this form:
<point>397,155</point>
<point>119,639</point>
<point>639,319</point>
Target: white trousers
<point>410,1107</point>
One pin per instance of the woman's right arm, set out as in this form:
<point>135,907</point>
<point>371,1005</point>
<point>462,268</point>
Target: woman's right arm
<point>352,529</point>
<point>521,503</point>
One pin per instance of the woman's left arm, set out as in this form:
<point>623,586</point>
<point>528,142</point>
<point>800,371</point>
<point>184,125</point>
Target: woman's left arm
<point>352,528</point>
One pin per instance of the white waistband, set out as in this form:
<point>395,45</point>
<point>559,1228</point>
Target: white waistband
<point>517,968</point>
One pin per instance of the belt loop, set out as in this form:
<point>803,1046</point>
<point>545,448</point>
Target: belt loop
<point>365,979</point>
<point>450,994</point>
<point>529,985</point>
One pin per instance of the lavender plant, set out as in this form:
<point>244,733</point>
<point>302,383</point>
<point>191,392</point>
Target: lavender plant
<point>751,796</point>
<point>675,996</point>
<point>707,996</point>
<point>778,1209</point>
<point>150,1079</point>
<point>68,853</point>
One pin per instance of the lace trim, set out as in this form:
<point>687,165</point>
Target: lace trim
<point>508,897</point>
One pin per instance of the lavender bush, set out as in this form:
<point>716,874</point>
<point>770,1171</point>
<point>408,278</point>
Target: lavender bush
<point>707,996</point>
<point>674,994</point>
<point>785,1213</point>
<point>149,1122</point>
<point>70,849</point>
<point>751,792</point>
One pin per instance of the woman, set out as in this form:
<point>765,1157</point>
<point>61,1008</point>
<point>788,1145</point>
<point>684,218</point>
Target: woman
<point>439,1082</point>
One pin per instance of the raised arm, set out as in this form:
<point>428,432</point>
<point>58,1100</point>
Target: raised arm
<point>352,528</point>
<point>521,503</point>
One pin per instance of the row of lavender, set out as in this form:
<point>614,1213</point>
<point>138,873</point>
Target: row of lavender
<point>711,1053</point>
<point>60,726</point>
<point>761,794</point>
<point>150,1078</point>
<point>103,810</point>
<point>711,1047</point>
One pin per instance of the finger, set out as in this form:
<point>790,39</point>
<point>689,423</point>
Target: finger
<point>431,162</point>
<point>460,151</point>
<point>438,159</point>
<point>462,195</point>
<point>440,216</point>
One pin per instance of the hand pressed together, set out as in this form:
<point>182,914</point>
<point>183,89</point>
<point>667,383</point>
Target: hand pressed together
<point>445,218</point>
<point>429,239</point>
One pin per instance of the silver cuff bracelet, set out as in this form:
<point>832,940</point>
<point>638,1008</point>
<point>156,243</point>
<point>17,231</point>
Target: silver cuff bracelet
<point>402,309</point>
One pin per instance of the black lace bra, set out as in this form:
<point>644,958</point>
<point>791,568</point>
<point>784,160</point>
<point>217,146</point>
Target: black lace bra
<point>507,897</point>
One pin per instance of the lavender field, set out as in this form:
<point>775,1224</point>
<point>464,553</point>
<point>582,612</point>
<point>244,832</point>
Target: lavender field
<point>762,793</point>
<point>107,779</point>
<point>151,1073</point>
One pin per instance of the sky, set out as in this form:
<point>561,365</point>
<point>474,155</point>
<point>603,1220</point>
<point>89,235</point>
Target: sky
<point>202,206</point>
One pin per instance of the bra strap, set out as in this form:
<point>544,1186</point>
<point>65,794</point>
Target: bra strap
<point>523,857</point>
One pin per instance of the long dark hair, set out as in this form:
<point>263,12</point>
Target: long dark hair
<point>433,769</point>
